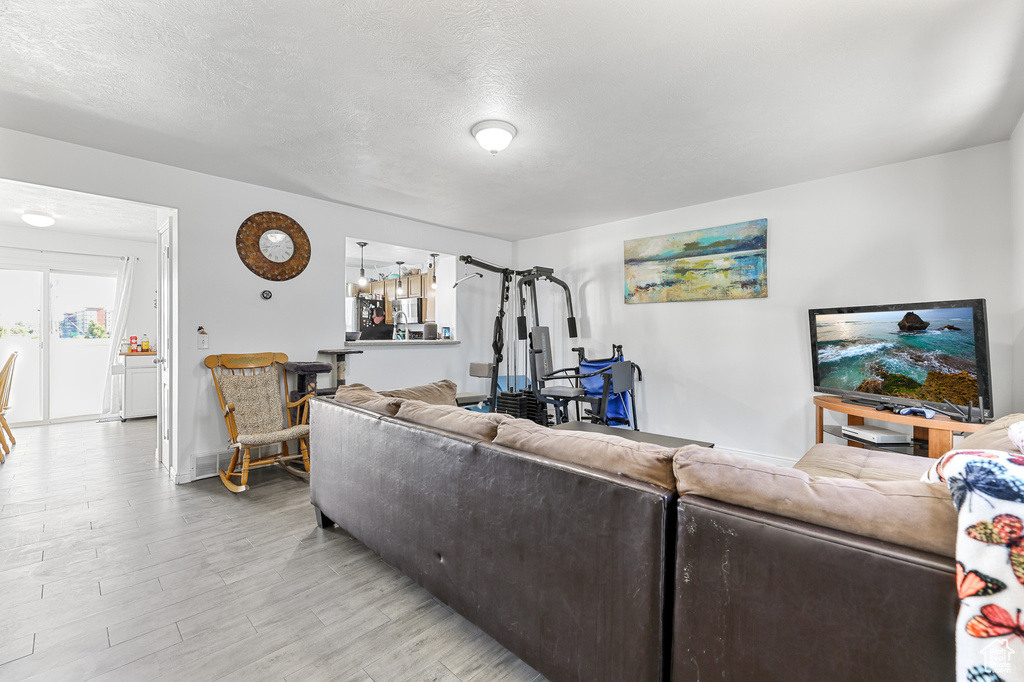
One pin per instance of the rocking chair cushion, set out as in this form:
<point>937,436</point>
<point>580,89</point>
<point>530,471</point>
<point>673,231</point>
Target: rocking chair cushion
<point>257,401</point>
<point>291,433</point>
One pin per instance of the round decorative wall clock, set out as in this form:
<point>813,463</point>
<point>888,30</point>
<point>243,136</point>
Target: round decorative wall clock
<point>273,246</point>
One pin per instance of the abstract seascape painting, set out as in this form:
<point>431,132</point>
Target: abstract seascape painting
<point>713,264</point>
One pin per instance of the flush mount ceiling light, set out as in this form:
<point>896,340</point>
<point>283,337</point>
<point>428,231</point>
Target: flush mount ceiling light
<point>362,272</point>
<point>494,136</point>
<point>38,219</point>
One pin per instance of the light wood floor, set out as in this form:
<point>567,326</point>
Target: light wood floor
<point>108,571</point>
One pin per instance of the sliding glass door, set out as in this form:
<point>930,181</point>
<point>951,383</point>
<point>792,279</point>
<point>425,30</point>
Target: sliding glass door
<point>22,331</point>
<point>63,362</point>
<point>81,307</point>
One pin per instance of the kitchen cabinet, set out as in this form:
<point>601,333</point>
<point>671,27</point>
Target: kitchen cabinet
<point>377,289</point>
<point>429,314</point>
<point>138,386</point>
<point>412,284</point>
<point>390,287</point>
<point>411,287</point>
<point>429,295</point>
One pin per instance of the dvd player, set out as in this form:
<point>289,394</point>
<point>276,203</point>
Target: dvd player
<point>877,434</point>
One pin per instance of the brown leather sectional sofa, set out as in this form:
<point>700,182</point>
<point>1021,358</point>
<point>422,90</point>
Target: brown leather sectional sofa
<point>589,574</point>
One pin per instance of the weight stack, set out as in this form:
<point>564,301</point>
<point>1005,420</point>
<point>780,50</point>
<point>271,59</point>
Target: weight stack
<point>524,406</point>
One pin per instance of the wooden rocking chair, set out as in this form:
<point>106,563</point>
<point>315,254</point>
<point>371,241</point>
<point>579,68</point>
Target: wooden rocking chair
<point>6,379</point>
<point>249,387</point>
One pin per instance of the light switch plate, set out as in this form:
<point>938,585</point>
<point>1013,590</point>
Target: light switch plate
<point>204,341</point>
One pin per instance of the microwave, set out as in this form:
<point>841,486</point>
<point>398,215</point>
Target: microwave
<point>412,307</point>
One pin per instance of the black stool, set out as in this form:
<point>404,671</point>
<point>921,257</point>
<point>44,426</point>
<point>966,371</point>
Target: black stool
<point>338,356</point>
<point>305,382</point>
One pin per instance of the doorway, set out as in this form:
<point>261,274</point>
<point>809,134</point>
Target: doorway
<point>72,288</point>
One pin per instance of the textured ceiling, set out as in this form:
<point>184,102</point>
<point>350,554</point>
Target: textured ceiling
<point>79,213</point>
<point>624,107</point>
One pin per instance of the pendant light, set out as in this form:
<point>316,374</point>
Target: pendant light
<point>433,270</point>
<point>362,271</point>
<point>400,291</point>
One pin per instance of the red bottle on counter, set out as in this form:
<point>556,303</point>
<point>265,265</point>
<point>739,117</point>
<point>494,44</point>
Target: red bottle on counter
<point>134,343</point>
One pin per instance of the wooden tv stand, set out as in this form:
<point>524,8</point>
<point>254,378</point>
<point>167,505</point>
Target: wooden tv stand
<point>937,432</point>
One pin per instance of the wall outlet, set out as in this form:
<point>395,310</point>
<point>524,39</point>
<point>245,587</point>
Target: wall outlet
<point>203,341</point>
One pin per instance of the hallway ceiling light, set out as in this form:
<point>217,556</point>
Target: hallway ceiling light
<point>38,219</point>
<point>494,136</point>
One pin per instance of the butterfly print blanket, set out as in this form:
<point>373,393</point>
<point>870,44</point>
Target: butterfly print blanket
<point>988,490</point>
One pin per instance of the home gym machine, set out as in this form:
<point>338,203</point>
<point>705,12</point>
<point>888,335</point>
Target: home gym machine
<point>527,278</point>
<point>602,383</point>
<point>605,384</point>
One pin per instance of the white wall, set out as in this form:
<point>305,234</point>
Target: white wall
<point>217,291</point>
<point>734,372</point>
<point>142,315</point>
<point>738,372</point>
<point>1016,272</point>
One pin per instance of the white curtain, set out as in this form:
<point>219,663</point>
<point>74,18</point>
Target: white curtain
<point>112,389</point>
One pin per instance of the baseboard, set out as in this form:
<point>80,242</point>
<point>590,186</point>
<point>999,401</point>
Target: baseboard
<point>775,460</point>
<point>177,478</point>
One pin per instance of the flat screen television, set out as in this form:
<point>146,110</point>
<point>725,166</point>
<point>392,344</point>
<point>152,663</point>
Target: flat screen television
<point>911,354</point>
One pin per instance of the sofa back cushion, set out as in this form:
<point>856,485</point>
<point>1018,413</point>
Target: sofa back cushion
<point>909,513</point>
<point>842,461</point>
<point>368,399</point>
<point>639,461</point>
<point>438,393</point>
<point>480,425</point>
<point>993,437</point>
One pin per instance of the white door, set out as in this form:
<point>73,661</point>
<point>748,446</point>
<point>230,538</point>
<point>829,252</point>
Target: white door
<point>164,415</point>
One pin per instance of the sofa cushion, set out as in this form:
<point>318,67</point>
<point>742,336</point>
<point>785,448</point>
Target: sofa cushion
<point>909,513</point>
<point>841,461</point>
<point>365,397</point>
<point>438,393</point>
<point>482,425</point>
<point>346,392</point>
<point>639,461</point>
<point>993,437</point>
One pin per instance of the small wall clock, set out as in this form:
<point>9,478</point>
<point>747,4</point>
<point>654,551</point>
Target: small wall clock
<point>273,246</point>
